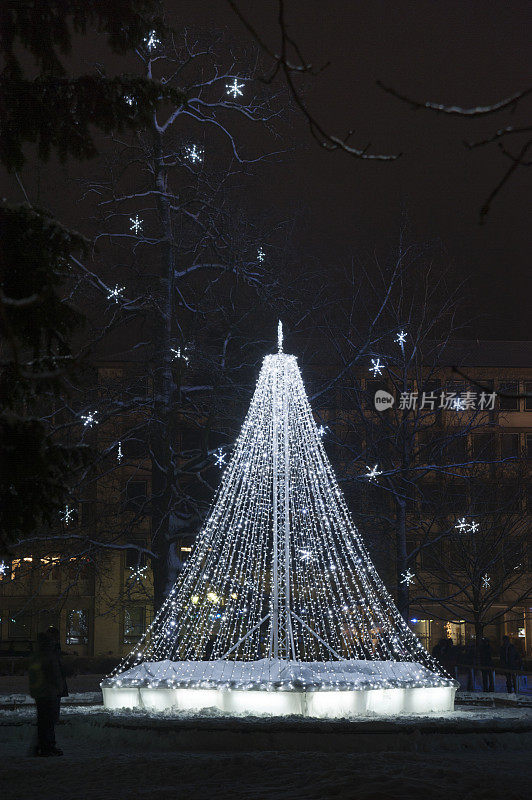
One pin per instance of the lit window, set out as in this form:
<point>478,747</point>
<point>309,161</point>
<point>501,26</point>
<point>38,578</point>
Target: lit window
<point>134,624</point>
<point>77,631</point>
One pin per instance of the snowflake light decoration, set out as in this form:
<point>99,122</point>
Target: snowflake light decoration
<point>400,339</point>
<point>116,293</point>
<point>178,353</point>
<point>458,404</point>
<point>261,255</point>
<point>136,224</point>
<point>89,419</point>
<point>322,430</point>
<point>137,573</point>
<point>67,515</point>
<point>376,367</point>
<point>407,577</point>
<point>486,581</point>
<point>119,454</point>
<point>219,457</point>
<point>462,525</point>
<point>473,527</point>
<point>235,88</point>
<point>194,153</point>
<point>151,41</point>
<point>373,474</point>
<point>3,569</point>
<point>129,99</point>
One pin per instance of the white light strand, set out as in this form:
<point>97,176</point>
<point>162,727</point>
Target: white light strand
<point>408,577</point>
<point>234,88</point>
<point>227,610</point>
<point>181,354</point>
<point>194,153</point>
<point>151,41</point>
<point>67,515</point>
<point>400,339</point>
<point>116,293</point>
<point>119,454</point>
<point>376,366</point>
<point>136,224</point>
<point>373,473</point>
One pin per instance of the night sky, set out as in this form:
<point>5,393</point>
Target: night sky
<point>461,51</point>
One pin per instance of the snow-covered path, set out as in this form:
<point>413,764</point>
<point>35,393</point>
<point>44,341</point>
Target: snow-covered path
<point>386,760</point>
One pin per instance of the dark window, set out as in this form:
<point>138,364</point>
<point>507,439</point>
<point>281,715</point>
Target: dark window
<point>509,445</point>
<point>528,396</point>
<point>529,446</point>
<point>136,493</point>
<point>77,630</point>
<point>509,403</point>
<point>134,624</point>
<point>457,448</point>
<point>19,625</point>
<point>483,446</point>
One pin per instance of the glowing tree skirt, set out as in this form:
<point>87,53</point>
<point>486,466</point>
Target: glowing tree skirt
<point>279,608</point>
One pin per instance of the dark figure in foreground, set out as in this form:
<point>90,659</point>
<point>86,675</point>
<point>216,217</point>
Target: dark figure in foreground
<point>484,657</point>
<point>510,658</point>
<point>444,652</point>
<point>47,686</point>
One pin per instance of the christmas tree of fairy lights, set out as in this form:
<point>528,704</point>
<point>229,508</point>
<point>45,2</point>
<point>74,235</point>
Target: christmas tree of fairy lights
<point>279,591</point>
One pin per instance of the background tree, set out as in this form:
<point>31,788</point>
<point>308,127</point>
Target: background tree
<point>41,105</point>
<point>406,466</point>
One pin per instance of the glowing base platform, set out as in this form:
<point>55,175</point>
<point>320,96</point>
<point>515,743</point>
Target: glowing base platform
<point>318,703</point>
<point>311,689</point>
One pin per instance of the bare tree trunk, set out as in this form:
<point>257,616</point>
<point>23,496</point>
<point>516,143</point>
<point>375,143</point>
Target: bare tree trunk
<point>403,599</point>
<point>163,423</point>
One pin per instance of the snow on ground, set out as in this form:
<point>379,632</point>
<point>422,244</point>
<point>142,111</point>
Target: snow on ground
<point>474,753</point>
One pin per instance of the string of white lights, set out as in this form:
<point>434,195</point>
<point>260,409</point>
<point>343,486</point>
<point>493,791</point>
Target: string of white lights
<point>279,576</point>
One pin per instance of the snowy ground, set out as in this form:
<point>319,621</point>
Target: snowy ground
<point>475,753</point>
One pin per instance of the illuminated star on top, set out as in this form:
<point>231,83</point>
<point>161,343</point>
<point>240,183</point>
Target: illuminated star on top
<point>261,255</point>
<point>136,224</point>
<point>485,581</point>
<point>373,474</point>
<point>408,577</point>
<point>462,525</point>
<point>219,457</point>
<point>235,88</point>
<point>400,338</point>
<point>67,515</point>
<point>194,153</point>
<point>376,366</point>
<point>89,419</point>
<point>115,293</point>
<point>151,41</point>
